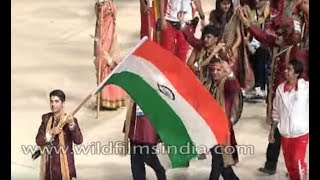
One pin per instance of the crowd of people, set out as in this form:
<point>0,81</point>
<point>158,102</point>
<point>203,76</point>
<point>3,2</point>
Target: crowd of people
<point>250,49</point>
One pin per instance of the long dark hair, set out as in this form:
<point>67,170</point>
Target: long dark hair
<point>217,14</point>
<point>251,3</point>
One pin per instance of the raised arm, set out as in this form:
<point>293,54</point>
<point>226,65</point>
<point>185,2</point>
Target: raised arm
<point>188,33</point>
<point>191,39</point>
<point>262,36</point>
<point>255,31</point>
<point>198,5</point>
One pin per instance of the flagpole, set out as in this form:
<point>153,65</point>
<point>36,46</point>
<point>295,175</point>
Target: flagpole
<point>99,55</point>
<point>84,102</point>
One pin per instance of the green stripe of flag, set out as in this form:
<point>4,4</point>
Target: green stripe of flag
<point>166,122</point>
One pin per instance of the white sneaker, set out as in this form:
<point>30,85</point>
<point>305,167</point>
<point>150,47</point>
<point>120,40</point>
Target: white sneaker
<point>259,92</point>
<point>243,92</point>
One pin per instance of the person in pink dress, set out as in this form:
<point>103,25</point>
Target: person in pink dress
<point>107,53</point>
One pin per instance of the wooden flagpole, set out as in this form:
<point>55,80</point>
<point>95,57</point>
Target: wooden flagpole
<point>99,55</point>
<point>36,154</point>
<point>144,39</point>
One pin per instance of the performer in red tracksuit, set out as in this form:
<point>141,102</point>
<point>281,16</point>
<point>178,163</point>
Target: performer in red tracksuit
<point>291,114</point>
<point>171,37</point>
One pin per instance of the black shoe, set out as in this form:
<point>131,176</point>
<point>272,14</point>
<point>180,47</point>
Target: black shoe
<point>267,171</point>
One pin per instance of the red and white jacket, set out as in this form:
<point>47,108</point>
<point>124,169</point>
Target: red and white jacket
<point>291,110</point>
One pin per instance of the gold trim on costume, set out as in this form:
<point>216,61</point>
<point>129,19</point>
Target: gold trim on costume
<point>63,154</point>
<point>113,103</point>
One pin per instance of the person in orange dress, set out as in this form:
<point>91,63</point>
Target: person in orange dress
<point>106,51</point>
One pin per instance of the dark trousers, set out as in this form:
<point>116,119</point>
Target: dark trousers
<point>217,167</point>
<point>259,62</point>
<point>273,152</point>
<point>145,153</point>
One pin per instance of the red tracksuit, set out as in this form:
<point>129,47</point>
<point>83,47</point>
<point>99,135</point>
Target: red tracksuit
<point>294,152</point>
<point>289,109</point>
<point>173,40</point>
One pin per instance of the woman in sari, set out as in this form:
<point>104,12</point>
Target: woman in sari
<point>107,53</point>
<point>257,12</point>
<point>223,17</point>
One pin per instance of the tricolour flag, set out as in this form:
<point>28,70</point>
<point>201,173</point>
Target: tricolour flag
<point>183,112</point>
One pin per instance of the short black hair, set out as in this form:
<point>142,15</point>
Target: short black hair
<point>297,66</point>
<point>211,29</point>
<point>60,94</point>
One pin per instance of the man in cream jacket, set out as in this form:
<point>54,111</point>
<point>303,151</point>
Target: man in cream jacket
<point>291,115</point>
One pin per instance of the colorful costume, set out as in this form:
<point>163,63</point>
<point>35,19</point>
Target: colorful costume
<point>59,165</point>
<point>106,49</point>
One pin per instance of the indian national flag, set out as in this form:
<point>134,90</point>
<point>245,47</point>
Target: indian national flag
<point>183,112</point>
